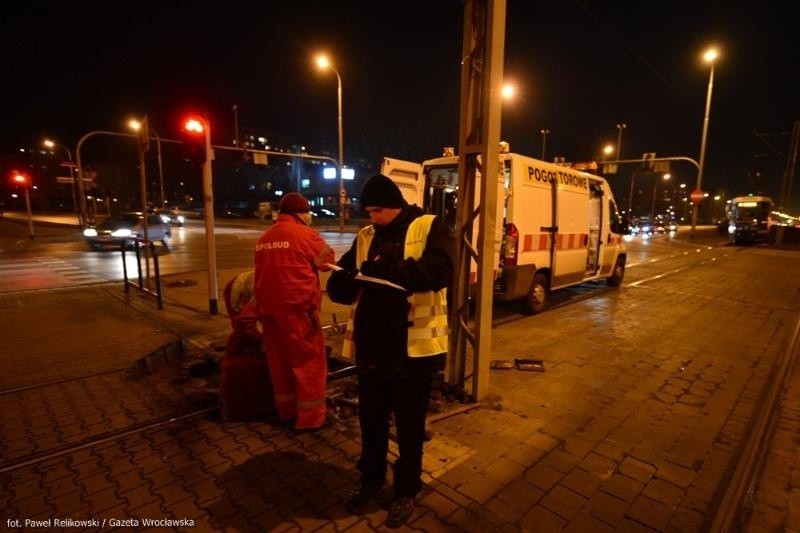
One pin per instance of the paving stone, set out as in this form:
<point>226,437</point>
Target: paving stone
<point>541,519</point>
<point>623,487</point>
<point>636,469</point>
<point>480,487</point>
<point>650,513</point>
<point>564,502</point>
<point>585,522</point>
<point>582,482</point>
<point>664,492</point>
<point>543,476</point>
<point>607,508</point>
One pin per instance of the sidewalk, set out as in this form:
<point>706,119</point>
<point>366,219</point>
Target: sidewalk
<point>622,430</point>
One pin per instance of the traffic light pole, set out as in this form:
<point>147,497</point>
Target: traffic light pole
<point>208,206</point>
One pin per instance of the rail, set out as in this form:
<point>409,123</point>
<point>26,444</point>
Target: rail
<point>144,281</point>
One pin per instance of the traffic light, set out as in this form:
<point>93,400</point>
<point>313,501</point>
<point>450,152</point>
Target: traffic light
<point>20,179</point>
<point>193,133</point>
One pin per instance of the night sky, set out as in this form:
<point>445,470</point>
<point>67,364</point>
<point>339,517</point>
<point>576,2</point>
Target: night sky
<point>580,69</point>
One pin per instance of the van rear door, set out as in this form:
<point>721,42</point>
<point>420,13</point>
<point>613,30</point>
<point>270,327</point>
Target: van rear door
<point>408,177</point>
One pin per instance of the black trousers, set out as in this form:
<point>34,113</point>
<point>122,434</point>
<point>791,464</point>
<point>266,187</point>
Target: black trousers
<point>406,397</point>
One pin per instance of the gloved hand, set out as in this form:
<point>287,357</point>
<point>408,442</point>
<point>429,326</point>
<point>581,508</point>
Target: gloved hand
<point>376,269</point>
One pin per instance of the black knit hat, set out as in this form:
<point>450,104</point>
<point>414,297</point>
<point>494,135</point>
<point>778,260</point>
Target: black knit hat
<point>294,203</point>
<point>380,191</point>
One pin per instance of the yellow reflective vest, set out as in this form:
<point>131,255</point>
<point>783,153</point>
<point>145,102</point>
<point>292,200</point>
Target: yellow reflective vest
<point>427,334</point>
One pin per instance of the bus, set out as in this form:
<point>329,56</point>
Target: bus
<point>749,219</point>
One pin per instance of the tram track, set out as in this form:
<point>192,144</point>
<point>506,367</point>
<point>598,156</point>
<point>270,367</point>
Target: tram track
<point>56,418</point>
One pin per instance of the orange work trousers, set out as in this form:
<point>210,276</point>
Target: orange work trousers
<point>295,348</point>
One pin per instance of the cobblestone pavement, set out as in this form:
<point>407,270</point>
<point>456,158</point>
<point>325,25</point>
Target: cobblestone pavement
<point>633,425</point>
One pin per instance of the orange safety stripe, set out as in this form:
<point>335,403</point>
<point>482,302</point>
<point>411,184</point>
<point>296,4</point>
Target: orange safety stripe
<point>564,241</point>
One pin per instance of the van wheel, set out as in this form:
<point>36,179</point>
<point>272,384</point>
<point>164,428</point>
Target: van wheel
<point>615,279</point>
<point>537,295</point>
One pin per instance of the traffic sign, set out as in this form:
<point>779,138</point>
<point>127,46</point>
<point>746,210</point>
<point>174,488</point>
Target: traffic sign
<point>697,196</point>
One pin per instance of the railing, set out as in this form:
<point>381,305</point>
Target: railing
<point>138,245</point>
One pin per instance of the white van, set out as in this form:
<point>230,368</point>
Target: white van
<point>556,226</point>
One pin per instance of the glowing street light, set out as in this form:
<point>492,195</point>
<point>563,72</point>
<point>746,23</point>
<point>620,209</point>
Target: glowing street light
<point>709,56</point>
<point>607,150</point>
<point>324,63</point>
<point>508,91</point>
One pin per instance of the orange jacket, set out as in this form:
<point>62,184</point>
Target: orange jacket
<point>288,258</point>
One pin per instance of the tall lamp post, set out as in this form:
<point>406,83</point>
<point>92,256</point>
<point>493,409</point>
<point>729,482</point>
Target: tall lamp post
<point>544,133</point>
<point>324,63</point>
<point>136,125</point>
<point>709,57</point>
<point>52,144</point>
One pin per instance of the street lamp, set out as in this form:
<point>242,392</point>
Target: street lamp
<point>52,144</point>
<point>324,63</point>
<point>607,151</point>
<point>709,57</point>
<point>544,142</point>
<point>136,125</point>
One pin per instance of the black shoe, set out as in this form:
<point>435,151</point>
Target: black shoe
<point>358,497</point>
<point>399,512</point>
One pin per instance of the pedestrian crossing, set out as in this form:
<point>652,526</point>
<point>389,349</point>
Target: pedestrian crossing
<point>42,273</point>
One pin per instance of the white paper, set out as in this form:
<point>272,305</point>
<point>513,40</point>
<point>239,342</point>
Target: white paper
<point>369,279</point>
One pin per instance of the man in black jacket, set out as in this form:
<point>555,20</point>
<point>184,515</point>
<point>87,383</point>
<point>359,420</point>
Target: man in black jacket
<point>398,338</point>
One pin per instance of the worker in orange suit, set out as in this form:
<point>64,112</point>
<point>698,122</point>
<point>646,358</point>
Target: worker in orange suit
<point>288,259</point>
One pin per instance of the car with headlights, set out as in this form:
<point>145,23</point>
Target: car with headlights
<point>121,228</point>
<point>171,216</point>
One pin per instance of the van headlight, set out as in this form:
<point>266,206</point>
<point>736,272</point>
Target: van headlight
<point>121,233</point>
<point>90,232</point>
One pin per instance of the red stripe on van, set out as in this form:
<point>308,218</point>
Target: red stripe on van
<point>543,240</point>
<point>527,245</point>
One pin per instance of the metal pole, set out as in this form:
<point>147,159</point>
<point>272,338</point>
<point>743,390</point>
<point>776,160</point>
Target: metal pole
<point>630,197</point>
<point>620,127</point>
<point>160,168</point>
<point>80,167</point>
<point>703,147</point>
<point>74,189</point>
<point>28,207</point>
<point>342,193</point>
<point>544,142</point>
<point>236,123</point>
<point>653,204</point>
<point>208,206</point>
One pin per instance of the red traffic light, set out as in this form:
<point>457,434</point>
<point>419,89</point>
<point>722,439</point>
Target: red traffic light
<point>193,134</point>
<point>194,126</point>
<point>17,178</point>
